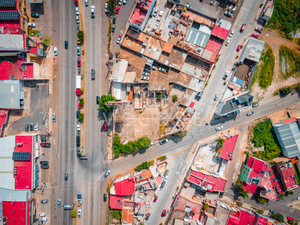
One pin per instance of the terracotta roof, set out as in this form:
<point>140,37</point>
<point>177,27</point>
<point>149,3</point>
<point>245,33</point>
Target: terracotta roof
<point>167,47</point>
<point>144,176</point>
<point>127,215</point>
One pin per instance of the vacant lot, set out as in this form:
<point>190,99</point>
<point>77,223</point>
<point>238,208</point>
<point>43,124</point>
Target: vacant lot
<point>289,62</point>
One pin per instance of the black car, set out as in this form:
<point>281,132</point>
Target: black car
<point>104,197</point>
<point>66,176</point>
<point>31,127</point>
<point>97,100</point>
<point>44,166</point>
<point>113,28</point>
<point>44,162</point>
<point>77,141</point>
<point>44,201</point>
<point>35,15</point>
<point>66,44</point>
<point>162,184</point>
<point>93,74</point>
<point>78,153</point>
<point>221,194</point>
<point>77,114</point>
<point>26,127</point>
<point>250,113</point>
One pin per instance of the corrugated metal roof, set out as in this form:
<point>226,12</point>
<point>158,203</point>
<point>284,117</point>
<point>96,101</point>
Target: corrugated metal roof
<point>9,15</point>
<point>10,93</point>
<point>14,195</point>
<point>197,37</point>
<point>11,42</point>
<point>8,3</point>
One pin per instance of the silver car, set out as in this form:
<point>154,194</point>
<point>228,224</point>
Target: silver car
<point>78,51</point>
<point>36,126</point>
<point>231,33</point>
<point>77,11</point>
<point>219,128</point>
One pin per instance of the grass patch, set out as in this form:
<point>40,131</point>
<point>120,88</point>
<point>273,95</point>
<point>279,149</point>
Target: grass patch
<point>297,174</point>
<point>32,33</point>
<point>264,136</point>
<point>116,214</point>
<point>265,71</point>
<point>286,17</point>
<point>291,61</point>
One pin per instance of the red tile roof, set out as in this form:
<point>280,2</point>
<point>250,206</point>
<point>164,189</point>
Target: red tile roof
<point>23,178</point>
<point>220,32</point>
<point>125,187</point>
<point>167,47</point>
<point>228,147</point>
<point>249,187</point>
<point>219,183</point>
<point>127,215</point>
<point>213,45</point>
<point>195,180</point>
<point>293,119</point>
<point>115,202</point>
<point>16,212</point>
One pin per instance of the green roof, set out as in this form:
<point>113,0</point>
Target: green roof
<point>245,173</point>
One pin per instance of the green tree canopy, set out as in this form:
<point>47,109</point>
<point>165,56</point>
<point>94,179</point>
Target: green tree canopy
<point>80,35</point>
<point>278,217</point>
<point>104,99</point>
<point>73,214</point>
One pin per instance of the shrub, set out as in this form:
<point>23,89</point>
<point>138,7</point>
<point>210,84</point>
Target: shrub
<point>174,98</point>
<point>224,83</point>
<point>81,90</point>
<point>81,102</point>
<point>73,214</point>
<point>166,172</point>
<point>32,32</point>
<point>291,192</point>
<point>285,90</point>
<point>80,35</point>
<point>281,196</point>
<point>181,134</point>
<point>240,204</point>
<point>46,41</point>
<point>151,162</point>
<point>81,117</point>
<point>143,166</point>
<point>205,206</point>
<point>220,141</point>
<point>112,5</point>
<point>278,217</point>
<point>116,214</point>
<point>104,99</point>
<point>159,96</point>
<point>262,200</point>
<point>161,158</point>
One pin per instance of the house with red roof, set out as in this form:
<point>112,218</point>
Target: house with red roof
<point>228,148</point>
<point>286,171</point>
<point>207,181</point>
<point>116,201</point>
<point>125,187</point>
<point>242,217</point>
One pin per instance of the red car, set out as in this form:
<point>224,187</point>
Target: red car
<point>239,47</point>
<point>79,62</point>
<point>46,145</point>
<point>243,27</point>
<point>79,106</point>
<point>76,2</point>
<point>117,9</point>
<point>155,199</point>
<point>254,35</point>
<point>163,213</point>
<point>290,218</point>
<point>105,126</point>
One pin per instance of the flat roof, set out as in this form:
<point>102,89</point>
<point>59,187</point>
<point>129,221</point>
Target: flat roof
<point>6,162</point>
<point>228,147</point>
<point>252,50</point>
<point>12,42</point>
<point>18,212</point>
<point>175,58</point>
<point>119,70</point>
<point>158,81</point>
<point>11,91</point>
<point>139,13</point>
<point>197,37</point>
<point>212,49</point>
<point>20,70</point>
<point>220,32</point>
<point>3,118</point>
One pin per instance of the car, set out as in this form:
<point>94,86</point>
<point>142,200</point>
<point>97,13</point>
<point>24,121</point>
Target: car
<point>272,211</point>
<point>36,126</point>
<point>77,141</point>
<point>146,74</point>
<point>259,29</point>
<point>45,166</point>
<point>78,41</point>
<point>231,33</point>
<point>145,78</point>
<point>298,198</point>
<point>79,106</point>
<point>78,126</point>
<point>238,48</point>
<point>243,27</point>
<point>79,213</point>
<point>93,74</point>
<point>31,127</point>
<point>86,2</point>
<point>117,9</point>
<point>97,100</point>
<point>77,11</point>
<point>162,184</point>
<point>226,75</point>
<point>163,141</point>
<point>155,10</point>
<point>44,201</point>
<point>35,15</point>
<point>113,28</point>
<point>93,11</point>
<point>255,36</point>
<point>55,52</point>
<point>105,126</point>
<point>58,203</point>
<point>155,198</point>
<point>124,2</point>
<point>26,127</point>
<point>66,44</point>
<point>44,162</point>
<point>76,2</point>
<point>45,145</point>
<point>114,19</point>
<point>107,173</point>
<point>119,39</point>
<point>227,13</point>
<point>77,20</point>
<point>147,216</point>
<point>212,2</point>
<point>233,10</point>
<point>188,6</point>
<point>162,69</point>
<point>237,111</point>
<point>53,117</point>
<point>170,24</point>
<point>216,97</point>
<point>163,213</point>
<point>166,177</point>
<point>106,8</point>
<point>41,214</point>
<point>221,194</point>
<point>31,25</point>
<point>228,41</point>
<point>255,104</point>
<point>78,62</point>
<point>78,50</point>
<point>250,113</point>
<point>290,218</point>
<point>77,113</point>
<point>66,176</point>
<point>119,2</point>
<point>219,128</point>
<point>104,197</point>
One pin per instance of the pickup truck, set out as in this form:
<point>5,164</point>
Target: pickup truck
<point>79,200</point>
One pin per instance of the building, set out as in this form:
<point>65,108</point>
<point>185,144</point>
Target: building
<point>11,94</point>
<point>125,187</point>
<point>18,167</point>
<point>252,50</point>
<point>228,148</point>
<point>234,104</point>
<point>288,135</point>
<point>116,201</point>
<point>267,11</point>
<point>19,70</point>
<point>17,207</point>
<point>241,217</point>
<point>286,172</point>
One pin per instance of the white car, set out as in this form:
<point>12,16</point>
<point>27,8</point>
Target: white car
<point>86,2</point>
<point>231,33</point>
<point>79,213</point>
<point>219,128</point>
<point>120,2</point>
<point>166,177</point>
<point>41,214</point>
<point>228,41</point>
<point>106,8</point>
<point>226,75</point>
<point>77,11</point>
<point>55,52</point>
<point>77,19</point>
<point>124,2</point>
<point>78,51</point>
<point>93,11</point>
<point>298,198</point>
<point>155,12</point>
<point>36,126</point>
<point>78,126</point>
<point>31,24</point>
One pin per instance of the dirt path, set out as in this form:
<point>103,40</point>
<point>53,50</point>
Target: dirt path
<point>274,40</point>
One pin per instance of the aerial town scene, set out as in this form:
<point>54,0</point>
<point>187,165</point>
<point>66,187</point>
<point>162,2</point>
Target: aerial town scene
<point>150,112</point>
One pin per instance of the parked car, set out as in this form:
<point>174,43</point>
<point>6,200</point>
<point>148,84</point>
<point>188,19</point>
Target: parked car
<point>45,145</point>
<point>226,75</point>
<point>259,29</point>
<point>77,113</point>
<point>78,62</point>
<point>216,97</point>
<point>44,162</point>
<point>147,216</point>
<point>66,176</point>
<point>228,41</point>
<point>237,111</point>
<point>119,39</point>
<point>44,166</point>
<point>250,113</point>
<point>106,8</point>
<point>93,11</point>
<point>166,177</point>
<point>231,33</point>
<point>78,41</point>
<point>272,211</point>
<point>227,13</point>
<point>239,47</point>
<point>155,198</point>
<point>290,218</point>
<point>93,74</point>
<point>79,106</point>
<point>26,127</point>
<point>66,44</point>
<point>105,126</point>
<point>255,104</point>
<point>104,197</point>
<point>298,198</point>
<point>41,214</point>
<point>114,19</point>
<point>55,51</point>
<point>146,74</point>
<point>243,27</point>
<point>163,213</point>
<point>31,25</point>
<point>155,10</point>
<point>44,201</point>
<point>162,69</point>
<point>255,36</point>
<point>58,203</point>
<point>36,126</point>
<point>162,184</point>
<point>77,11</point>
<point>78,126</point>
<point>118,9</point>
<point>97,100</point>
<point>163,141</point>
<point>107,173</point>
<point>124,2</point>
<point>31,127</point>
<point>35,15</point>
<point>78,50</point>
<point>219,128</point>
<point>86,2</point>
<point>76,2</point>
<point>77,141</point>
<point>113,28</point>
<point>120,2</point>
<point>53,117</point>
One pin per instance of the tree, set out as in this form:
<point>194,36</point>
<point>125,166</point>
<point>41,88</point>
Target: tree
<point>262,200</point>
<point>73,214</point>
<point>205,206</point>
<point>80,35</point>
<point>46,41</point>
<point>174,98</point>
<point>81,117</point>
<point>220,141</point>
<point>112,5</point>
<point>240,204</point>
<point>281,196</point>
<point>243,192</point>
<point>166,172</point>
<point>181,134</point>
<point>81,102</point>
<point>278,217</point>
<point>159,96</point>
<point>285,90</point>
<point>104,99</point>
<point>291,192</point>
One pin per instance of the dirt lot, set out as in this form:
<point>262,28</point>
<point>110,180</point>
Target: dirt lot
<point>275,41</point>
